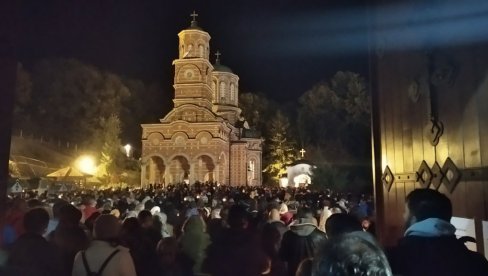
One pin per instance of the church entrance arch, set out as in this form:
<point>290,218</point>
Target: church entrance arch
<point>179,170</point>
<point>204,168</point>
<point>302,180</point>
<point>155,170</point>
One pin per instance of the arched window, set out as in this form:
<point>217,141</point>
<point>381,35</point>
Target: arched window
<point>214,91</point>
<point>232,93</point>
<point>201,49</point>
<point>252,169</point>
<point>222,92</point>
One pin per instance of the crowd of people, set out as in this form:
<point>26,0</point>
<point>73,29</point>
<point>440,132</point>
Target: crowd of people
<point>211,229</point>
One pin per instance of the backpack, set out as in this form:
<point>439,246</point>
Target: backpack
<point>104,264</point>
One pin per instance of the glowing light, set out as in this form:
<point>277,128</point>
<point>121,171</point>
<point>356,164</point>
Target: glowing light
<point>127,148</point>
<point>86,164</point>
<point>284,182</point>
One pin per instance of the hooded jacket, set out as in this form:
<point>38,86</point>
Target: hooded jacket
<point>430,247</point>
<point>301,242</point>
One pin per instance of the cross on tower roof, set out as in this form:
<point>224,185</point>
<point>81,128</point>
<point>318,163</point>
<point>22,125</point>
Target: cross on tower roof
<point>217,55</point>
<point>194,15</point>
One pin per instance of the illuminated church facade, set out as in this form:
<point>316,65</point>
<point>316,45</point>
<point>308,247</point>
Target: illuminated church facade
<point>203,138</point>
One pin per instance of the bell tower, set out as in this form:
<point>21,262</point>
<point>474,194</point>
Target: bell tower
<point>193,70</point>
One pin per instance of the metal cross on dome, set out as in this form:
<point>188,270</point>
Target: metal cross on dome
<point>217,57</point>
<point>302,152</point>
<point>194,15</point>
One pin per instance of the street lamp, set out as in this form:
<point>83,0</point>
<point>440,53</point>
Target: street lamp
<point>86,164</point>
<point>127,148</point>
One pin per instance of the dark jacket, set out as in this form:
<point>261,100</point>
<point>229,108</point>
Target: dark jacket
<point>301,242</point>
<point>32,255</point>
<point>236,252</point>
<point>435,256</point>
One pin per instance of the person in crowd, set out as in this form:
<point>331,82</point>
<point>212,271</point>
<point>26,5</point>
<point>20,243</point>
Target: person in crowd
<point>161,223</point>
<point>195,241</point>
<point>143,255</point>
<point>237,251</point>
<point>429,245</point>
<point>215,225</point>
<point>341,223</point>
<point>69,236</point>
<point>351,254</point>
<point>32,254</point>
<point>89,207</point>
<point>171,261</point>
<point>89,222</point>
<point>150,233</point>
<point>275,221</point>
<point>54,221</point>
<point>301,241</point>
<point>104,256</point>
<point>325,214</point>
<point>15,216</point>
<point>271,241</point>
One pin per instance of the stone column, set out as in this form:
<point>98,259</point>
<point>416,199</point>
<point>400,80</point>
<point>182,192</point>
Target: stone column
<point>143,175</point>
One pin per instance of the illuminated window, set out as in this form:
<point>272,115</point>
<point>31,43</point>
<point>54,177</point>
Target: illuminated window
<point>252,169</point>
<point>214,90</point>
<point>232,93</point>
<point>222,91</point>
<point>201,49</point>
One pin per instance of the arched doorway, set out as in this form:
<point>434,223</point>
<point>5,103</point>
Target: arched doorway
<point>302,180</point>
<point>204,169</point>
<point>155,170</point>
<point>179,169</point>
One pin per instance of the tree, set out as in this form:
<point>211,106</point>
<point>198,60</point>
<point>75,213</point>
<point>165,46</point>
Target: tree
<point>111,160</point>
<point>280,148</point>
<point>76,96</point>
<point>22,105</point>
<point>145,101</point>
<point>334,122</point>
<point>257,110</point>
<point>327,176</point>
<point>334,116</point>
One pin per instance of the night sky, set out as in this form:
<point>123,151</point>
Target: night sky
<point>279,48</point>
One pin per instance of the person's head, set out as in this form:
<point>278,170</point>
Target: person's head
<point>130,227</point>
<point>57,208</point>
<point>36,221</point>
<point>338,224</point>
<point>106,227</point>
<point>350,254</point>
<point>274,215</point>
<point>69,215</point>
<point>305,216</point>
<point>90,221</point>
<point>34,203</point>
<point>238,217</point>
<point>145,219</point>
<point>422,204</point>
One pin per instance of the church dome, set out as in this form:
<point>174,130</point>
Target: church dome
<point>222,68</point>
<point>194,26</point>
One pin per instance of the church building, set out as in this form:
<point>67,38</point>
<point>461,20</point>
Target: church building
<point>204,137</point>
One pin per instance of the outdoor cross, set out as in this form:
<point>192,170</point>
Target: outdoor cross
<point>194,15</point>
<point>303,152</point>
<point>218,54</point>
